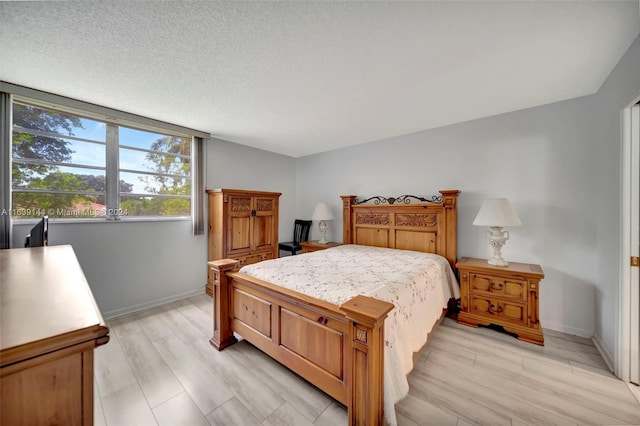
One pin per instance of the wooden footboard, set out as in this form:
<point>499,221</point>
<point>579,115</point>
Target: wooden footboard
<point>340,349</point>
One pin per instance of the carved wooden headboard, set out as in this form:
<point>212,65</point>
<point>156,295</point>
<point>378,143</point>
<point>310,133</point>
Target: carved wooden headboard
<point>429,226</point>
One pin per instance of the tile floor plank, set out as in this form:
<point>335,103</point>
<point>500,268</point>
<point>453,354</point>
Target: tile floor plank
<point>180,325</point>
<point>152,323</point>
<point>485,389</point>
<point>403,421</point>
<point>334,414</point>
<point>206,389</point>
<point>179,410</point>
<point>583,405</point>
<point>635,391</point>
<point>254,394</point>
<point>578,376</point>
<point>463,376</point>
<point>138,349</point>
<point>232,413</point>
<point>154,376</point>
<point>286,415</point>
<point>422,412</point>
<point>449,401</point>
<point>158,383</point>
<point>98,413</point>
<point>112,370</point>
<point>128,407</point>
<point>197,317</point>
<point>203,302</point>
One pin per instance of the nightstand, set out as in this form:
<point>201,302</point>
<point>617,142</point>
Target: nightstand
<point>505,296</point>
<point>309,246</point>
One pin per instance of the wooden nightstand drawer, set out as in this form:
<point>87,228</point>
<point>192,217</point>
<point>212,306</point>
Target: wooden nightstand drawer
<point>500,309</point>
<point>494,285</point>
<point>505,296</point>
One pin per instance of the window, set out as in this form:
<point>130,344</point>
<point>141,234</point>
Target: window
<point>66,164</point>
<point>58,164</point>
<point>158,167</point>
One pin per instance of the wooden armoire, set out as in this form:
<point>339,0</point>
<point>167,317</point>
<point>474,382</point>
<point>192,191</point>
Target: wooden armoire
<point>243,225</point>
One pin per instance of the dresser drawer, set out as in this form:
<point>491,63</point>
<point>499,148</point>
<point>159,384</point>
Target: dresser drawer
<point>491,285</point>
<point>502,310</point>
<point>254,258</point>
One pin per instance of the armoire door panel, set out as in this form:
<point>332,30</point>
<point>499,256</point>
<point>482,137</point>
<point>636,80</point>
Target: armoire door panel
<point>239,237</point>
<point>243,225</point>
<point>263,232</point>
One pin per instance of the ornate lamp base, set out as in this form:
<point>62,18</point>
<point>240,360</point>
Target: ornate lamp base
<point>323,232</point>
<point>497,238</point>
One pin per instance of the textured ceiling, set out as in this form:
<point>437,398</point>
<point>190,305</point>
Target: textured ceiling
<point>299,78</point>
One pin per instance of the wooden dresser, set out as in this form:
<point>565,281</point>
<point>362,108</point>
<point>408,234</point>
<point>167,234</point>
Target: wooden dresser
<point>501,295</point>
<point>49,326</point>
<point>243,225</point>
<point>309,246</point>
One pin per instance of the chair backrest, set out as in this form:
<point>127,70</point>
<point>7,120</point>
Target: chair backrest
<point>301,230</point>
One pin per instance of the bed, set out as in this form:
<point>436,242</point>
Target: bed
<point>337,340</point>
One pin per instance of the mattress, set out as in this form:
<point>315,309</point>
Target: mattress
<point>418,284</point>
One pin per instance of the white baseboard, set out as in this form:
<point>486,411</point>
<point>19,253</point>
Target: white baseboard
<point>151,304</point>
<point>569,330</point>
<point>606,356</point>
<point>597,341</point>
<point>635,390</point>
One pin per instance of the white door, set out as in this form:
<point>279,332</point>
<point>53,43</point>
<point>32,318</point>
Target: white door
<point>628,366</point>
<point>635,246</point>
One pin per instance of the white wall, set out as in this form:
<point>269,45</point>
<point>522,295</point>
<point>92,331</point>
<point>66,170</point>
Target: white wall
<point>133,265</point>
<point>619,91</point>
<point>536,158</point>
<point>234,166</point>
<point>559,166</point>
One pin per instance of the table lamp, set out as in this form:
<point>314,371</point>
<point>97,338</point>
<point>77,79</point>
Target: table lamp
<point>496,213</point>
<point>322,213</point>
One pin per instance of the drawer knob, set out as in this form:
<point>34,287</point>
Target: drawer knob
<point>493,310</point>
<point>495,286</point>
<point>323,320</point>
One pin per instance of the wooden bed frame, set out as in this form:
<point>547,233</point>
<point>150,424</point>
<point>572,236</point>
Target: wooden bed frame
<point>340,349</point>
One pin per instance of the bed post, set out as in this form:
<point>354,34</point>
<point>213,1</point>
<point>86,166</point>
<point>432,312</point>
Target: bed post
<point>222,334</point>
<point>366,351</point>
<point>450,203</point>
<point>347,202</point>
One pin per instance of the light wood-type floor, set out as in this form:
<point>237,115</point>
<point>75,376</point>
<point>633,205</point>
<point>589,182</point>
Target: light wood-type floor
<point>159,368</point>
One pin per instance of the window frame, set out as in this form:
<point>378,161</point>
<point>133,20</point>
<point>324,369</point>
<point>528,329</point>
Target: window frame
<point>31,103</point>
<point>113,119</point>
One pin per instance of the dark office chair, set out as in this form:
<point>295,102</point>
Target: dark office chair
<point>300,233</point>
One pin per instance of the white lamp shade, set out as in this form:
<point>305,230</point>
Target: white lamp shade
<point>322,212</point>
<point>497,212</point>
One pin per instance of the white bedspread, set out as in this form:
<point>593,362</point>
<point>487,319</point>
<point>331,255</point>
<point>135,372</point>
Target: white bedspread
<point>418,284</point>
